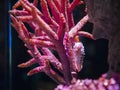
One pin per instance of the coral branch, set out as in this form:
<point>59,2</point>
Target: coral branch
<point>61,29</point>
<point>27,18</point>
<point>70,19</point>
<point>28,7</point>
<point>58,4</point>
<point>28,63</point>
<point>70,53</point>
<point>18,12</point>
<point>74,4</point>
<point>40,43</point>
<point>86,34</point>
<point>78,26</point>
<point>46,38</point>
<point>35,3</point>
<point>53,60</point>
<point>46,13</point>
<point>16,5</point>
<point>36,70</point>
<point>43,25</point>
<point>65,62</point>
<point>63,6</point>
<point>54,10</point>
<point>25,4</point>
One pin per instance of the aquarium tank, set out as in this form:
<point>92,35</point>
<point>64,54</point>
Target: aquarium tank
<point>60,45</point>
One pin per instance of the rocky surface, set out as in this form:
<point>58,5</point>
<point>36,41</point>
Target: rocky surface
<point>104,14</point>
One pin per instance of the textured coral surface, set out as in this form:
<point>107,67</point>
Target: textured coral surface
<point>101,84</point>
<point>48,30</point>
<point>51,29</point>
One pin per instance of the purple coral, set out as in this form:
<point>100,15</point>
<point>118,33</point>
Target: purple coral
<point>101,84</point>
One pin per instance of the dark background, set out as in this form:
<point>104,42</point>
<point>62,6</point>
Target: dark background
<point>14,78</point>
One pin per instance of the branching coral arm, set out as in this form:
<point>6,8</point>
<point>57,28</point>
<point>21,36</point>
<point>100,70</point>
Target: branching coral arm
<point>18,12</point>
<point>35,3</point>
<point>85,34</point>
<point>78,26</point>
<point>74,4</point>
<point>70,53</point>
<point>48,71</point>
<point>28,63</point>
<point>61,29</point>
<point>36,70</point>
<point>41,43</point>
<point>46,13</point>
<point>35,53</point>
<point>70,17</point>
<point>46,38</point>
<point>43,25</point>
<point>19,28</point>
<point>56,77</point>
<point>16,5</point>
<point>53,60</point>
<point>27,6</point>
<point>62,10</point>
<point>65,61</point>
<point>54,10</point>
<point>44,67</point>
<point>27,18</point>
<point>58,4</point>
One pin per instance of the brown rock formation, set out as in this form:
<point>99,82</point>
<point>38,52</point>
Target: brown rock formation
<point>105,15</point>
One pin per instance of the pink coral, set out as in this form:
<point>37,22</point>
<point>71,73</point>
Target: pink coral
<point>53,29</point>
